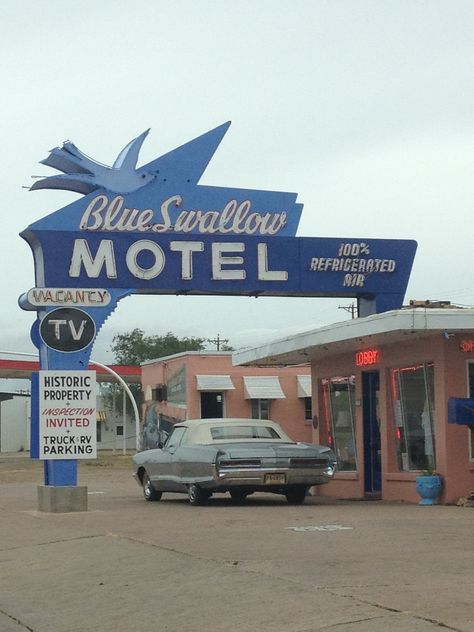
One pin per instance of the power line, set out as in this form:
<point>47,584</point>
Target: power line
<point>218,341</point>
<point>352,309</point>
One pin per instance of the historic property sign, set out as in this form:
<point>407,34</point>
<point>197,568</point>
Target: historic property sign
<point>67,407</point>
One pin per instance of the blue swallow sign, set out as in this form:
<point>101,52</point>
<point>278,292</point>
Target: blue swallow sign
<point>154,229</point>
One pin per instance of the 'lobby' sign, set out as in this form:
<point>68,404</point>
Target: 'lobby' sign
<point>367,358</point>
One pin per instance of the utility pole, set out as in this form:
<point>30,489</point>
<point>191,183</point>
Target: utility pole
<point>217,341</point>
<point>352,309</point>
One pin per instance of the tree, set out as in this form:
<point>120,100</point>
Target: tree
<point>227,348</point>
<point>134,346</point>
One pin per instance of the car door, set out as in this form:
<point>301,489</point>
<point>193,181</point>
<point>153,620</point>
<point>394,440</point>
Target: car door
<point>194,462</point>
<point>158,467</point>
<point>170,470</point>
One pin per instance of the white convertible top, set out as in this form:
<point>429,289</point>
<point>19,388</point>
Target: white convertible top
<point>200,430</point>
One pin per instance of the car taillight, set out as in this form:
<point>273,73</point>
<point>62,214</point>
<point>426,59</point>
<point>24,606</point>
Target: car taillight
<point>308,462</point>
<point>239,463</point>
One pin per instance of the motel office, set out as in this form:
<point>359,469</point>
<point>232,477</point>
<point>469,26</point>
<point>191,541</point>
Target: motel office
<point>380,391</point>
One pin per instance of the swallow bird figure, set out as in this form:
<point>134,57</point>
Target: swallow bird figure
<point>83,175</point>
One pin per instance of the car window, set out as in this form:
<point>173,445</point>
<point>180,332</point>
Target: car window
<point>176,437</point>
<point>244,432</point>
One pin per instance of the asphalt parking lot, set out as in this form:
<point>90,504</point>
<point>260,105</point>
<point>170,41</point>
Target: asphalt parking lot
<point>265,566</point>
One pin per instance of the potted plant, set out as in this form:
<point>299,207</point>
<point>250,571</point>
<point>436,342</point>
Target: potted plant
<point>429,485</point>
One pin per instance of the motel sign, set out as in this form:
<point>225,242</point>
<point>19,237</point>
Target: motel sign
<point>155,230</point>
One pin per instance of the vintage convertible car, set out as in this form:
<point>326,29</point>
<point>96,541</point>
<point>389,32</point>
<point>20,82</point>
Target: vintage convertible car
<point>206,456</point>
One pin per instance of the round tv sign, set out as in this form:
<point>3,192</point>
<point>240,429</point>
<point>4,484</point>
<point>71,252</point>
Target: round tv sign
<point>67,329</point>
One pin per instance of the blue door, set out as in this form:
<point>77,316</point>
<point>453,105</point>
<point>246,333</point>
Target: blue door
<point>372,459</point>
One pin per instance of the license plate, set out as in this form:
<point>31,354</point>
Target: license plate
<point>275,479</point>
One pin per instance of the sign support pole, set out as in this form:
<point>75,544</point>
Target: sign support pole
<point>57,406</point>
<point>124,417</point>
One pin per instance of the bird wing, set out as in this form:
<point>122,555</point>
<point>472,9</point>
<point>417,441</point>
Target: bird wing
<point>128,157</point>
<point>86,164</point>
<point>78,182</point>
<point>64,161</point>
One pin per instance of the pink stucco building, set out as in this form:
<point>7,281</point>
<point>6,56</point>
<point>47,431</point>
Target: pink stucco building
<point>381,388</point>
<point>198,384</point>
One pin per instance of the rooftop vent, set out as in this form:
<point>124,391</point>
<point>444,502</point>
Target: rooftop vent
<point>432,304</point>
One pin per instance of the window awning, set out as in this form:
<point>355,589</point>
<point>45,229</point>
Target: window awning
<point>304,385</point>
<point>214,383</point>
<point>263,387</point>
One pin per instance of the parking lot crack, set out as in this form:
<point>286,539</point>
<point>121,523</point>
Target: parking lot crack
<point>240,565</point>
<point>162,547</point>
<point>16,620</point>
<point>351,622</point>
<point>335,593</point>
<point>59,541</point>
<point>414,615</point>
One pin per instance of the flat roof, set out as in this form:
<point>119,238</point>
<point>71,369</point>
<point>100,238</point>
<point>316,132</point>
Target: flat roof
<point>182,354</point>
<point>349,335</point>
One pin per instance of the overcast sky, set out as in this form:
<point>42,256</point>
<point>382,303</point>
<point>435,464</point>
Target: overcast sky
<point>364,108</point>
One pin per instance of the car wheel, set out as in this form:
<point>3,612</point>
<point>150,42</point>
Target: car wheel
<point>149,492</point>
<point>197,495</point>
<point>296,494</point>
<point>238,495</point>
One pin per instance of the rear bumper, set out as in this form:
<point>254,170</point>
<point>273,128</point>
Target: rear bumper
<point>257,477</point>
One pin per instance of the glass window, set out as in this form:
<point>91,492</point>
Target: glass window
<point>338,400</point>
<point>244,432</point>
<point>470,393</point>
<point>120,431</point>
<point>308,408</point>
<point>176,437</point>
<point>413,409</point>
<point>260,408</point>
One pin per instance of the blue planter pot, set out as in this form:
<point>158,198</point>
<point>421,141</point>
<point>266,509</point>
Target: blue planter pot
<point>429,488</point>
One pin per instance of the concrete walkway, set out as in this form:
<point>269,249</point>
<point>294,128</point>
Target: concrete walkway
<point>266,566</point>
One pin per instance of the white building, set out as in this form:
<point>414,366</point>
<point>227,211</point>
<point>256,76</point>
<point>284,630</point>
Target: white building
<point>15,412</point>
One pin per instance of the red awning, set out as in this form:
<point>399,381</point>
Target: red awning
<point>23,369</point>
